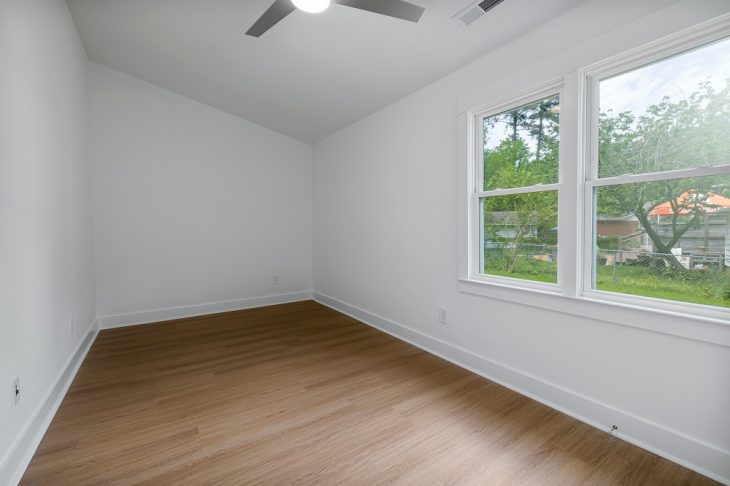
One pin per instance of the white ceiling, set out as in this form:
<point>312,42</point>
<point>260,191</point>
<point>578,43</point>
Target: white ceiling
<point>308,76</point>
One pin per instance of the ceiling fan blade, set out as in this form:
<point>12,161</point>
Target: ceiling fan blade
<point>392,8</point>
<point>277,11</point>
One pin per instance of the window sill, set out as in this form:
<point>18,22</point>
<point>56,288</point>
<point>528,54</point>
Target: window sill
<point>700,328</point>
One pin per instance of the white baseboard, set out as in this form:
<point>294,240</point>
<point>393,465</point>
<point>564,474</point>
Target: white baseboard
<point>157,315</point>
<point>704,458</point>
<point>21,452</point>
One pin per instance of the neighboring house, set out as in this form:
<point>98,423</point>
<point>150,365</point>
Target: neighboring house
<point>617,226</point>
<point>714,203</point>
<point>708,237</point>
<point>503,224</point>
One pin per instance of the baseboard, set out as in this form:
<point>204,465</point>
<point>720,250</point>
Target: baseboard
<point>21,452</point>
<point>701,457</point>
<point>157,315</point>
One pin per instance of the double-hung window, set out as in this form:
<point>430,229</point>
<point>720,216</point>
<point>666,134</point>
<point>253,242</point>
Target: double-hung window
<point>657,189</point>
<point>609,186</point>
<point>516,183</point>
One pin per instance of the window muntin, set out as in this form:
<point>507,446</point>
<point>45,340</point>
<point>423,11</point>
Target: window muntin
<point>519,158</point>
<point>661,200</point>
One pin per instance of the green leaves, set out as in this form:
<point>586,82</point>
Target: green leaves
<point>520,230</point>
<point>671,135</point>
<point>521,146</point>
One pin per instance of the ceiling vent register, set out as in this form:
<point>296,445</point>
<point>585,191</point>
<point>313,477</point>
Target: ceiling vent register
<point>474,12</point>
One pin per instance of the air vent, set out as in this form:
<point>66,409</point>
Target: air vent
<point>474,12</point>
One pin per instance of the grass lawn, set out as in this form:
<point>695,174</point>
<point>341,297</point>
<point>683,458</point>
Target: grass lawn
<point>525,268</point>
<point>697,287</point>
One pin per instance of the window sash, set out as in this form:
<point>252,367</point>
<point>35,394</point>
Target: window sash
<point>479,273</point>
<point>478,115</point>
<point>590,288</point>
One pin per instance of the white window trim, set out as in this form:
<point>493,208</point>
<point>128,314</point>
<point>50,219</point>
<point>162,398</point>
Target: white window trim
<point>570,296</point>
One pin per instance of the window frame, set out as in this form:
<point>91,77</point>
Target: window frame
<point>476,183</point>
<point>589,92</point>
<point>569,296</point>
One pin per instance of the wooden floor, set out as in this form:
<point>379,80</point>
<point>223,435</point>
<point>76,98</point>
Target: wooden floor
<point>299,393</point>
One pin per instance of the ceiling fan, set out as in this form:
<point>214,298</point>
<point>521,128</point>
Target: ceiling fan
<point>281,8</point>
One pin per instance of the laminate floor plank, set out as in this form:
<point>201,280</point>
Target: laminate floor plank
<point>301,394</point>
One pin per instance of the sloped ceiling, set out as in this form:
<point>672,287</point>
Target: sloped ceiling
<point>308,76</point>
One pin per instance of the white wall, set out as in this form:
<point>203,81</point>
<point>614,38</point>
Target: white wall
<point>45,199</point>
<point>191,205</point>
<point>194,206</point>
<point>386,244</point>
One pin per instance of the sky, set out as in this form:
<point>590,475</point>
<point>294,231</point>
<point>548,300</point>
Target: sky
<point>676,77</point>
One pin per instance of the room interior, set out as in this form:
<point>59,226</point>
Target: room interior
<point>268,242</point>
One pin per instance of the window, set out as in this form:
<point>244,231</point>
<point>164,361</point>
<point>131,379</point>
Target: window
<point>660,179</point>
<point>517,191</point>
<point>607,189</point>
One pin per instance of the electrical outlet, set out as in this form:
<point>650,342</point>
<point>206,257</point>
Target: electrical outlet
<point>71,325</point>
<point>442,316</point>
<point>15,391</point>
<point>275,280</point>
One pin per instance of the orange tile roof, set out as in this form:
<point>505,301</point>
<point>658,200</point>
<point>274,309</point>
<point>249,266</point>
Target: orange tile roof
<point>713,203</point>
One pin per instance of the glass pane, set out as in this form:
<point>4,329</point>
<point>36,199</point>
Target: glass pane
<point>521,145</point>
<point>668,239</point>
<point>520,236</point>
<point>674,114</point>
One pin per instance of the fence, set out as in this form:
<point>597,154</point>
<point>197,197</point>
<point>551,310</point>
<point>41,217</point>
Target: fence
<point>499,249</point>
<point>640,257</point>
<point>699,278</point>
<point>637,257</point>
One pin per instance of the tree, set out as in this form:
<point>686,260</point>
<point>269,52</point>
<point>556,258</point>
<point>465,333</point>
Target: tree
<point>669,136</point>
<point>527,154</point>
<point>541,122</point>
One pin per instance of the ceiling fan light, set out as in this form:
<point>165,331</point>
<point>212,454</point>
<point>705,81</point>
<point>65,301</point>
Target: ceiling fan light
<point>312,6</point>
